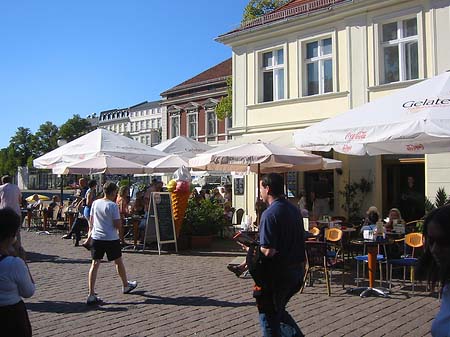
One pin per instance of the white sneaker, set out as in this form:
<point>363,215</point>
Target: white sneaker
<point>93,299</point>
<point>131,285</point>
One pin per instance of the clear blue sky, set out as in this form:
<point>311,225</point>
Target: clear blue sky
<point>59,58</point>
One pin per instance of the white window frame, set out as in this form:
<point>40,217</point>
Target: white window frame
<point>158,123</point>
<point>303,61</point>
<point>414,12</point>
<point>189,114</point>
<point>178,119</point>
<point>208,134</point>
<point>273,68</point>
<point>400,42</point>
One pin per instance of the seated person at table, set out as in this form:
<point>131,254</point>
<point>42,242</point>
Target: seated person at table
<point>139,209</point>
<point>372,219</point>
<point>228,212</point>
<point>48,212</point>
<point>122,203</point>
<point>369,210</point>
<point>394,216</point>
<point>34,205</point>
<point>80,223</point>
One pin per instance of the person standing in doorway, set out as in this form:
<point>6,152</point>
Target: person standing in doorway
<point>319,195</point>
<point>412,204</point>
<point>106,223</point>
<point>282,254</point>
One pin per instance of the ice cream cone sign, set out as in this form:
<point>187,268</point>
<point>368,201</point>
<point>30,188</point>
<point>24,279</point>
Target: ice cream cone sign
<point>179,187</point>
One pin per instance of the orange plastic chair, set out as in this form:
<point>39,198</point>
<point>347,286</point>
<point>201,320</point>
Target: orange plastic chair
<point>333,237</point>
<point>414,241</point>
<point>333,234</point>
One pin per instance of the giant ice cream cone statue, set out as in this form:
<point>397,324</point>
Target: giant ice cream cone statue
<point>179,189</point>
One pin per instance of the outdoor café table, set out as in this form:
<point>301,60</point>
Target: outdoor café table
<point>372,251</point>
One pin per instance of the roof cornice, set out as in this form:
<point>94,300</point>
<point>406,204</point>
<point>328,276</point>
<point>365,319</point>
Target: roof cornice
<point>195,85</point>
<point>343,8</point>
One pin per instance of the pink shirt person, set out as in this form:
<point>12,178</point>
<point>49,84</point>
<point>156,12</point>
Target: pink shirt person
<point>10,195</point>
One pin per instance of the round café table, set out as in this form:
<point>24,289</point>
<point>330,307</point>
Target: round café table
<point>372,251</point>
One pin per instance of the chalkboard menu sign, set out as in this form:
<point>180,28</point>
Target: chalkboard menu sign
<point>239,186</point>
<point>161,207</point>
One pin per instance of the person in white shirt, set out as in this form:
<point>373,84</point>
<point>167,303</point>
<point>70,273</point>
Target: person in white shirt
<point>15,279</point>
<point>10,196</point>
<point>105,220</point>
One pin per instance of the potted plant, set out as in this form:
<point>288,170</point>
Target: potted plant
<point>202,221</point>
<point>354,194</point>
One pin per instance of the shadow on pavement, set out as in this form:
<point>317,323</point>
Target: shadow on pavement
<point>199,301</point>
<point>33,257</point>
<point>69,307</point>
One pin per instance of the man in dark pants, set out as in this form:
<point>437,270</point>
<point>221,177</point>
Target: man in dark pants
<point>80,222</point>
<point>283,254</point>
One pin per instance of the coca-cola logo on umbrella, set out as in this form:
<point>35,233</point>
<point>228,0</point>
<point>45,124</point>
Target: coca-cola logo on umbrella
<point>356,135</point>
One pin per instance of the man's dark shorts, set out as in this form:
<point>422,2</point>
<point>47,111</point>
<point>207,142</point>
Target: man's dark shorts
<point>112,249</point>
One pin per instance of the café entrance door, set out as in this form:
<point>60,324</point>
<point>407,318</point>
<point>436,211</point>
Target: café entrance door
<point>404,185</point>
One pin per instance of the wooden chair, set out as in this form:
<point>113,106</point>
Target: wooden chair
<point>239,214</point>
<point>316,259</point>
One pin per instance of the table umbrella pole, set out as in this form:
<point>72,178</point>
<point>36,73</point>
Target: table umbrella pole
<point>258,215</point>
<point>62,190</point>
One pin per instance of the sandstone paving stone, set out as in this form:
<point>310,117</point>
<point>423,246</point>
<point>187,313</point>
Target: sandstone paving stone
<point>193,294</point>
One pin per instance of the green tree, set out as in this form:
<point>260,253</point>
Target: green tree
<point>225,107</point>
<point>45,139</point>
<point>8,161</point>
<point>22,144</point>
<point>257,8</point>
<point>74,128</point>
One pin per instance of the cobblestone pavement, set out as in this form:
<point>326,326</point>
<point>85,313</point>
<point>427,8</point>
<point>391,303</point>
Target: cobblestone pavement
<point>193,294</point>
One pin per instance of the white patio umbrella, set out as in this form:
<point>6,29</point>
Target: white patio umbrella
<point>414,120</point>
<point>167,164</point>
<point>258,157</point>
<point>184,146</point>
<point>96,143</point>
<point>101,164</point>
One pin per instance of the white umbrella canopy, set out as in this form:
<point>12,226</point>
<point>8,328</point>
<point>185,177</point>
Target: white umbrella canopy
<point>414,120</point>
<point>96,143</point>
<point>184,146</point>
<point>257,157</point>
<point>167,164</point>
<point>101,164</point>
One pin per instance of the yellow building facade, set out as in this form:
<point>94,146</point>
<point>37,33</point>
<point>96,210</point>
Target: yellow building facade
<point>312,61</point>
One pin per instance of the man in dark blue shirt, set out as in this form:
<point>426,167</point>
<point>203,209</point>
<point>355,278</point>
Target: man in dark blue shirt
<point>282,245</point>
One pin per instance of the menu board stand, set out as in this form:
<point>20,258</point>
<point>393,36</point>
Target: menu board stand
<point>160,217</point>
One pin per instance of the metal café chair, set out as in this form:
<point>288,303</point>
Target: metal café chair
<point>316,260</point>
<point>412,242</point>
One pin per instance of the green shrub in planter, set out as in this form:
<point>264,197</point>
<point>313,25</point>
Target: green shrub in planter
<point>203,218</point>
